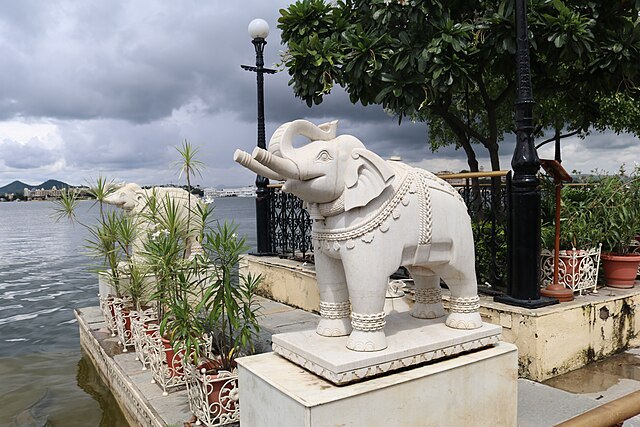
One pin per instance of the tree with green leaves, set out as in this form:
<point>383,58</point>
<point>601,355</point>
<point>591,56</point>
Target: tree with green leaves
<point>451,64</point>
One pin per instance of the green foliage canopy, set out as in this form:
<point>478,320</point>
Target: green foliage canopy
<point>452,63</point>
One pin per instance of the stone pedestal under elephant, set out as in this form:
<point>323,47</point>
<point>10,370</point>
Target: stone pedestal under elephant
<point>136,201</point>
<point>369,217</point>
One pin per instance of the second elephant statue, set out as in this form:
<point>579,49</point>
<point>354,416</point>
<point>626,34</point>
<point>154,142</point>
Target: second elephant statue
<point>136,201</point>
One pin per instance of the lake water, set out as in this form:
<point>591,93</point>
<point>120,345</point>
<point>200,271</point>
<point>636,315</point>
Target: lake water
<point>44,275</point>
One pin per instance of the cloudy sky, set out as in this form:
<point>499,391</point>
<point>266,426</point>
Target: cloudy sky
<point>93,87</point>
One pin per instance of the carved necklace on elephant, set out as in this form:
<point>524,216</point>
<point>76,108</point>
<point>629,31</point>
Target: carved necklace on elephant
<point>414,181</point>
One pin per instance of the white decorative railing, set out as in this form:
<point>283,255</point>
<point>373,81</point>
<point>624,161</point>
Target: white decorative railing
<point>108,311</point>
<point>144,326</point>
<point>167,365</point>
<point>213,398</point>
<point>577,269</point>
<point>123,314</point>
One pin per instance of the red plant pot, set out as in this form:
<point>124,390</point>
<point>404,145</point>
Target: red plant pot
<point>150,327</point>
<point>620,270</point>
<point>126,316</point>
<point>174,361</point>
<point>221,391</point>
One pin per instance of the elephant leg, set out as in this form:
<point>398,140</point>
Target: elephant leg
<point>428,303</point>
<point>464,303</point>
<point>335,308</point>
<point>367,289</point>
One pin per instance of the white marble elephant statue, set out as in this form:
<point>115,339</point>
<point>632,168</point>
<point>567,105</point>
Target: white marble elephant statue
<point>135,201</point>
<point>369,217</point>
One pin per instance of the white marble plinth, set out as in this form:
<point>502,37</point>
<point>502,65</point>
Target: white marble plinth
<point>410,342</point>
<point>474,389</point>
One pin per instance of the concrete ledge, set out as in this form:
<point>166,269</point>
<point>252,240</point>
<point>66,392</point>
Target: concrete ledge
<point>557,339</point>
<point>141,402</point>
<point>289,282</point>
<point>134,406</point>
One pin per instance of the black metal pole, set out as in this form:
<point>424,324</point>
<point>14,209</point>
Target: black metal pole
<point>524,245</point>
<point>262,192</point>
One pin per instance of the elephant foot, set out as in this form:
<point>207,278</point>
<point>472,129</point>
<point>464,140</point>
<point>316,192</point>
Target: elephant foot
<point>464,313</point>
<point>427,311</point>
<point>367,341</point>
<point>464,320</point>
<point>368,332</point>
<point>428,303</point>
<point>334,327</point>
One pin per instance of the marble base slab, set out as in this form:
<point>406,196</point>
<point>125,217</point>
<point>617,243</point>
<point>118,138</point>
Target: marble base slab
<point>410,342</point>
<point>474,389</point>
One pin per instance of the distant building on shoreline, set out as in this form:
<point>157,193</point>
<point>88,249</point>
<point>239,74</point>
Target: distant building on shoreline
<point>213,193</point>
<point>53,193</point>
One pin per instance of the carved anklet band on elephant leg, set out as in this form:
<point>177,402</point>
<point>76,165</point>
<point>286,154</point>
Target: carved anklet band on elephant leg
<point>428,296</point>
<point>464,305</point>
<point>368,322</point>
<point>335,310</point>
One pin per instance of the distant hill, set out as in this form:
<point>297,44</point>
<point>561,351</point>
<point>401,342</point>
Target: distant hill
<point>19,186</point>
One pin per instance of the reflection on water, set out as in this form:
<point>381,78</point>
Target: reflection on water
<point>90,382</point>
<point>44,274</point>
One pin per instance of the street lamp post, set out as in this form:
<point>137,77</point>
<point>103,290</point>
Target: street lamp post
<point>524,216</point>
<point>259,30</point>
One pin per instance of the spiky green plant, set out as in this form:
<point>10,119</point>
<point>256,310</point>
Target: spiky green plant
<point>110,239</point>
<point>65,207</point>
<point>190,166</point>
<point>100,190</point>
<point>230,295</point>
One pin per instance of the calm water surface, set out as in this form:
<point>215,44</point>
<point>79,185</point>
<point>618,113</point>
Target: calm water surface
<point>44,275</point>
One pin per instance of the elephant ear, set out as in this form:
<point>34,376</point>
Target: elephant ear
<point>366,177</point>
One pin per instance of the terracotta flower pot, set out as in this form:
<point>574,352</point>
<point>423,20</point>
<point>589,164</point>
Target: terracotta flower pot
<point>126,316</point>
<point>620,270</point>
<point>151,327</point>
<point>221,389</point>
<point>174,361</point>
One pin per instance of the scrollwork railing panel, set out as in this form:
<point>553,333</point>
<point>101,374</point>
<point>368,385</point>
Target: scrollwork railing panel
<point>577,269</point>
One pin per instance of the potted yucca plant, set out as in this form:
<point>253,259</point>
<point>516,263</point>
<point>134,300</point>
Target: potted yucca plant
<point>231,322</point>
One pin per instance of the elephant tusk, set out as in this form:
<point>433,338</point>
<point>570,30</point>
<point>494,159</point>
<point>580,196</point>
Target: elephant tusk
<point>285,167</point>
<point>248,162</point>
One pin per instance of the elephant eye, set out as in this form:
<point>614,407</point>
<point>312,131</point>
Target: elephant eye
<point>324,156</point>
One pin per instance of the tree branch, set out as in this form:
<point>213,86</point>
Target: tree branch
<point>553,138</point>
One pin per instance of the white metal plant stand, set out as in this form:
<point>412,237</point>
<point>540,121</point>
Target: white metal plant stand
<point>577,269</point>
<point>213,398</point>
<point>124,314</point>
<point>106,306</point>
<point>143,332</point>
<point>167,365</point>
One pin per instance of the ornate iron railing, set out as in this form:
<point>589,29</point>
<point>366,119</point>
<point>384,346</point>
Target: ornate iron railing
<point>486,197</point>
<point>485,194</point>
<point>289,226</point>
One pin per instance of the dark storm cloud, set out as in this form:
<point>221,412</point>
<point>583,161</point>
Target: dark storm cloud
<point>136,61</point>
<point>26,156</point>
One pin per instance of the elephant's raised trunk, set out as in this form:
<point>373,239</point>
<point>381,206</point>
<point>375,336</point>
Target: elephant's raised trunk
<point>248,162</point>
<point>284,167</point>
<point>281,143</point>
